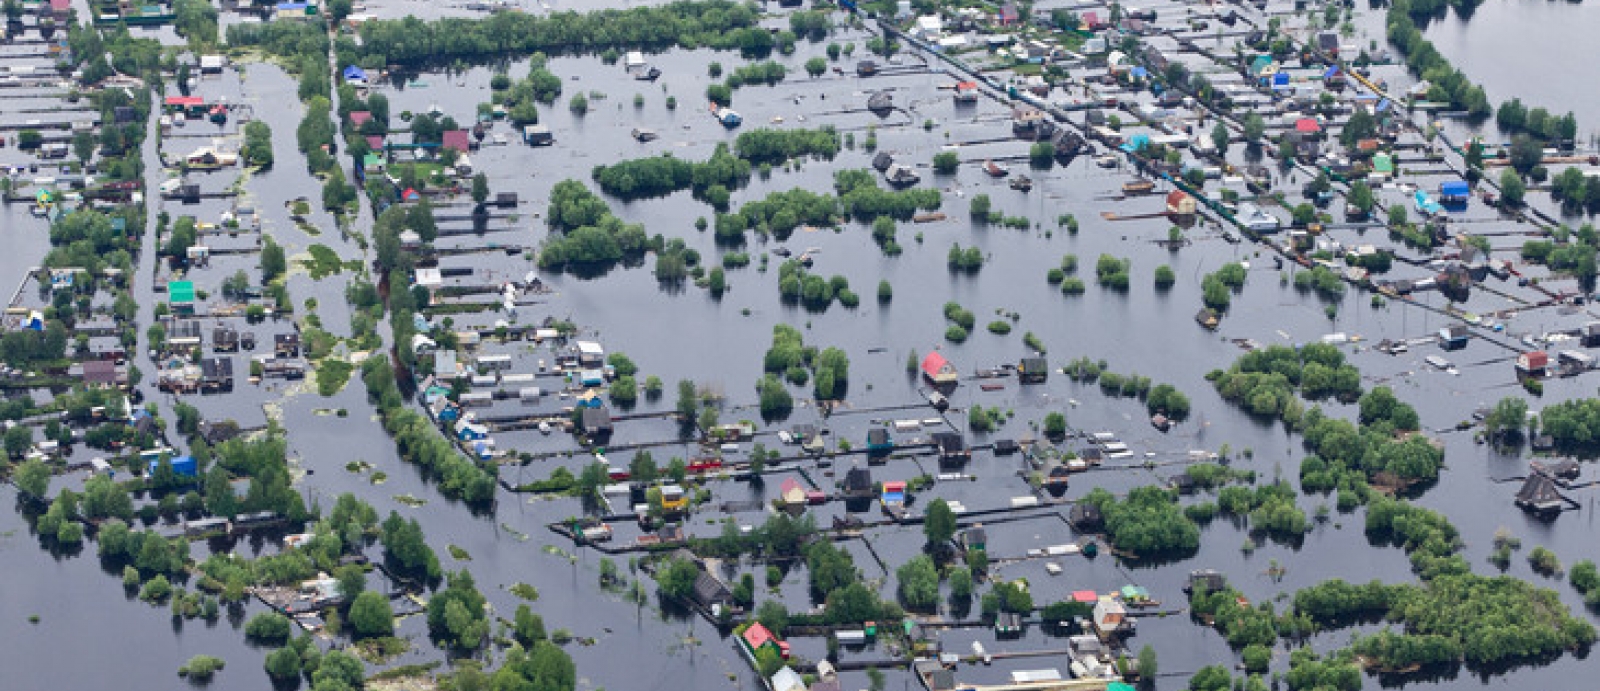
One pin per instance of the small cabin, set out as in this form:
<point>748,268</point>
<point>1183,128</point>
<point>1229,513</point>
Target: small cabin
<point>538,135</point>
<point>1453,337</point>
<point>1032,370</point>
<point>1533,363</point>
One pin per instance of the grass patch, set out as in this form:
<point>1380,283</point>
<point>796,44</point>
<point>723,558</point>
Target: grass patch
<point>405,672</point>
<point>410,500</point>
<point>459,554</point>
<point>324,262</point>
<point>525,591</point>
<point>332,375</point>
<point>378,651</point>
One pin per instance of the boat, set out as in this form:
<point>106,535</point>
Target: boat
<point>781,251</point>
<point>644,134</point>
<point>1021,183</point>
<point>544,427</point>
<point>727,116</point>
<point>995,170</point>
<point>1138,187</point>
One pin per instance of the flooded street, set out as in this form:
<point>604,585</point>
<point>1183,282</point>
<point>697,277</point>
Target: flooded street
<point>60,599</point>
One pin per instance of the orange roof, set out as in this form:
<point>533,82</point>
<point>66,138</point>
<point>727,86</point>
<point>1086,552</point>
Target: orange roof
<point>966,86</point>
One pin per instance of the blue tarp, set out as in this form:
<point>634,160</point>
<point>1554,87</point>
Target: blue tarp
<point>182,465</point>
<point>1383,105</point>
<point>1331,72</point>
<point>1140,73</point>
<point>1454,188</point>
<point>894,497</point>
<point>353,74</point>
<point>1280,79</point>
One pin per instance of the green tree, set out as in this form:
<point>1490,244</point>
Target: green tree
<point>1254,128</point>
<point>677,578</point>
<point>1512,190</point>
<point>816,67</point>
<point>1220,137</point>
<point>946,162</point>
<point>18,440</point>
<point>33,478</point>
<point>283,665</point>
<point>352,581</point>
<point>83,146</point>
<point>273,261</point>
<point>939,523</point>
<point>370,615</point>
<point>480,188</point>
<point>918,583</point>
<point>527,626</point>
<point>1361,197</point>
<point>268,627</point>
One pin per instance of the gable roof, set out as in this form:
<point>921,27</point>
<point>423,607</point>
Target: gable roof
<point>1538,489</point>
<point>758,635</point>
<point>460,140</point>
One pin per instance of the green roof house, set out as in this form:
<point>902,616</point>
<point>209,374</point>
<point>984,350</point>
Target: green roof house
<point>1383,163</point>
<point>181,295</point>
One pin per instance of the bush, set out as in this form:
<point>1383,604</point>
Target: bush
<point>268,627</point>
<point>201,667</point>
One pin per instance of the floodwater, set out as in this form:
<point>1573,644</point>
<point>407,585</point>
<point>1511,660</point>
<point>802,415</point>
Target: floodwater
<point>685,333</point>
<point>1490,46</point>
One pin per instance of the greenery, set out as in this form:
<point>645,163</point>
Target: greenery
<point>1111,272</point>
<point>371,616</point>
<point>201,667</point>
<point>1147,523</point>
<point>918,583</point>
<point>456,614</point>
<point>269,627</point>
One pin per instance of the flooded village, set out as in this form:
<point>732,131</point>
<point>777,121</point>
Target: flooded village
<point>634,344</point>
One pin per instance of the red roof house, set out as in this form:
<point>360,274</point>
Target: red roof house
<point>1180,203</point>
<point>757,637</point>
<point>1307,126</point>
<point>938,370</point>
<point>1009,14</point>
<point>360,117</point>
<point>1533,362</point>
<point>792,492</point>
<point>460,140</point>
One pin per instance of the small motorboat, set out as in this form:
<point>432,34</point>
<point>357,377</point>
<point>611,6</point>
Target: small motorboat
<point>995,170</point>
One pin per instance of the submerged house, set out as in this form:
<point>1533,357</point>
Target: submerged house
<point>1533,363</point>
<point>939,370</point>
<point>857,484</point>
<point>1539,495</point>
<point>1032,370</point>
